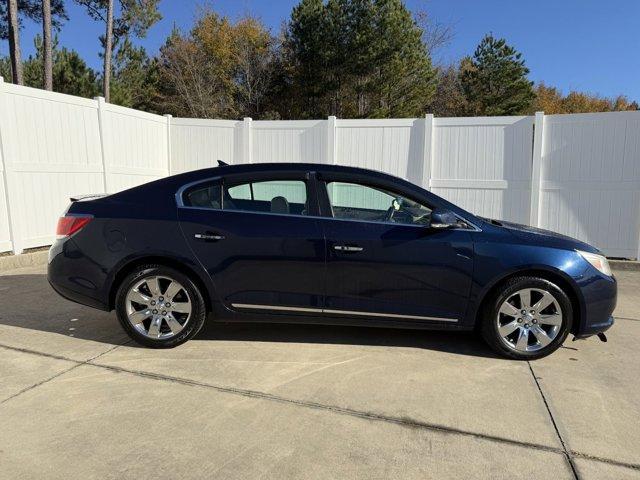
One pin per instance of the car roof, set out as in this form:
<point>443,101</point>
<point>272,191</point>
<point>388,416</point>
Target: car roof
<point>222,170</point>
<point>168,186</point>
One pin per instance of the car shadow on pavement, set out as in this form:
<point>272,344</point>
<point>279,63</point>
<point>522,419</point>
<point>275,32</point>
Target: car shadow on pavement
<point>450,342</point>
<point>28,301</point>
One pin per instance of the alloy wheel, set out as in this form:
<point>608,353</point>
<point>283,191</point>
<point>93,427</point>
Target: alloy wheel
<point>158,307</point>
<point>529,319</point>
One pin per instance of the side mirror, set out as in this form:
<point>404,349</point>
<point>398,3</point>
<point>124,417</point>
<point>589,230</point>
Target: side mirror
<point>442,219</point>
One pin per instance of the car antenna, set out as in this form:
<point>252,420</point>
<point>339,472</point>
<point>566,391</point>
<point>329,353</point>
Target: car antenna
<point>222,163</point>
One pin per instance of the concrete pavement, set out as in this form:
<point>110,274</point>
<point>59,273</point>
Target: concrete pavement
<point>78,400</point>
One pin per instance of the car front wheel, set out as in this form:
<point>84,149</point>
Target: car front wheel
<point>528,318</point>
<point>160,307</point>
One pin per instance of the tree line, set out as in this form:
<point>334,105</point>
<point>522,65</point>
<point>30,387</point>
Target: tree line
<point>348,58</point>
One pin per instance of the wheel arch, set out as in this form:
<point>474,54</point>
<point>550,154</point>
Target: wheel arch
<point>554,276</point>
<point>182,267</point>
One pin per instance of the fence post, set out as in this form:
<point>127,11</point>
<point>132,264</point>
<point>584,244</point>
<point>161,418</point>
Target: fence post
<point>101,127</point>
<point>247,140</point>
<point>427,152</point>
<point>169,160</point>
<point>536,170</point>
<point>332,152</point>
<point>16,242</point>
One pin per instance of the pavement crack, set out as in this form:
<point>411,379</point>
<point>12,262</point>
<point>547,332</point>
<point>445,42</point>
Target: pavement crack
<point>403,421</point>
<point>35,385</point>
<point>78,363</point>
<point>595,458</point>
<point>567,453</point>
<point>366,415</point>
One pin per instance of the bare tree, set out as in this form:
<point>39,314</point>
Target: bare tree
<point>47,48</point>
<point>254,57</point>
<point>192,82</point>
<point>435,35</point>
<point>107,51</point>
<point>14,43</point>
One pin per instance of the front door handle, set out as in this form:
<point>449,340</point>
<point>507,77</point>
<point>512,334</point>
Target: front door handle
<point>347,248</point>
<point>209,237</point>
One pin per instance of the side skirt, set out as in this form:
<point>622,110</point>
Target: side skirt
<point>318,316</point>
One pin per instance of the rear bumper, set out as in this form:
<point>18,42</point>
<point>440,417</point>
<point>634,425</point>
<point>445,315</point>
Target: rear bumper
<point>74,296</point>
<point>69,274</point>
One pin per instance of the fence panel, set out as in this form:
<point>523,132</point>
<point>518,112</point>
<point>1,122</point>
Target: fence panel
<point>135,147</point>
<point>591,179</point>
<point>289,141</point>
<point>5,234</point>
<point>394,146</point>
<point>587,167</point>
<point>199,143</point>
<point>51,149</point>
<point>484,164</point>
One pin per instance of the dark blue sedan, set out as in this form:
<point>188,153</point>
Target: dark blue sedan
<point>305,243</point>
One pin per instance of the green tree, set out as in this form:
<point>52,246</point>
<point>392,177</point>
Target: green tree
<point>309,48</point>
<point>135,77</point>
<point>32,10</point>
<point>12,13</point>
<point>135,19</point>
<point>496,83</point>
<point>356,58</point>
<point>449,99</point>
<point>71,75</point>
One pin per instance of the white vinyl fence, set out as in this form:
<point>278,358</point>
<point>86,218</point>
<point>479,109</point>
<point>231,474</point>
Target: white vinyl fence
<point>574,174</point>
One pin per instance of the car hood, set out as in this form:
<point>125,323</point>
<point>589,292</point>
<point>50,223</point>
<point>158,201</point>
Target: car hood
<point>539,236</point>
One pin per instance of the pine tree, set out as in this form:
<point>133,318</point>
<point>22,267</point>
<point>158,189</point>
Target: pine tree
<point>71,75</point>
<point>135,79</point>
<point>136,17</point>
<point>496,82</point>
<point>47,65</point>
<point>307,48</point>
<point>12,12</point>
<point>356,58</point>
<point>14,42</point>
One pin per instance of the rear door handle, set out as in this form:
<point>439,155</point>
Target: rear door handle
<point>347,248</point>
<point>209,237</point>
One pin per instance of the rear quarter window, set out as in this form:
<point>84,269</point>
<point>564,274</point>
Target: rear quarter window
<point>204,196</point>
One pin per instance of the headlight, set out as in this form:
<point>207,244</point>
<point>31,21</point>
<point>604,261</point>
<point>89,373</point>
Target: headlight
<point>599,262</point>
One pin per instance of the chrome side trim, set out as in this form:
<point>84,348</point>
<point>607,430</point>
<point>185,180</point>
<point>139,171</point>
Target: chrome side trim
<point>339,312</point>
<point>391,315</point>
<point>276,307</point>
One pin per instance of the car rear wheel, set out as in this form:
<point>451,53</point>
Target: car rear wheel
<point>160,307</point>
<point>528,318</point>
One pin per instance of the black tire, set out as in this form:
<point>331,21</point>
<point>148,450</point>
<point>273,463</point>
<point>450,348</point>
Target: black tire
<point>194,321</point>
<point>489,320</point>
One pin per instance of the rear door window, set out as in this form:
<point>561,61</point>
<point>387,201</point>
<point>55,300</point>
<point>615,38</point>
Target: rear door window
<point>284,197</point>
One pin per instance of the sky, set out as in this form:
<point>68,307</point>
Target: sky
<point>585,45</point>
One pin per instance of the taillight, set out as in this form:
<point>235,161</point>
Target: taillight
<point>70,225</point>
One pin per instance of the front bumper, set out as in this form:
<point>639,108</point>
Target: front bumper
<point>595,328</point>
<point>599,294</point>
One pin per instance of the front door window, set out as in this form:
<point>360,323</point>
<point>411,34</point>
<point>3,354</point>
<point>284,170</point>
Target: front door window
<point>353,201</point>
